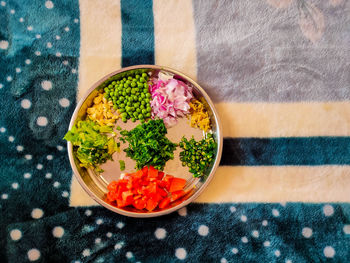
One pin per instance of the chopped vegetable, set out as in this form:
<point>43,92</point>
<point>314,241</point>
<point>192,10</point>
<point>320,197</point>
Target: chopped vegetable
<point>131,97</point>
<point>102,111</point>
<point>94,144</point>
<point>146,189</point>
<point>148,144</point>
<point>199,115</point>
<point>122,165</point>
<point>170,98</point>
<point>198,155</point>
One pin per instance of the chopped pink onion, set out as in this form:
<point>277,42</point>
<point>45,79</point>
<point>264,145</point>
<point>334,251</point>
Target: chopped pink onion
<point>170,98</point>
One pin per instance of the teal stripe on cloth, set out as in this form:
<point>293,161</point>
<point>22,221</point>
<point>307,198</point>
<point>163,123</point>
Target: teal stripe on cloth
<point>137,32</point>
<point>286,151</point>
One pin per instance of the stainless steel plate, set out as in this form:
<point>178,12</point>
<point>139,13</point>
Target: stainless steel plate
<point>96,184</point>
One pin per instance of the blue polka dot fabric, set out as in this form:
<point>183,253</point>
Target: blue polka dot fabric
<point>40,45</point>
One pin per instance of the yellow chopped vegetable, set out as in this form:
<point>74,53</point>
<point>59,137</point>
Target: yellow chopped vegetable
<point>102,111</point>
<point>199,116</point>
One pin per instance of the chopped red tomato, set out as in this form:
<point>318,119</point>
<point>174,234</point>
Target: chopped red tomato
<point>147,189</point>
<point>177,184</point>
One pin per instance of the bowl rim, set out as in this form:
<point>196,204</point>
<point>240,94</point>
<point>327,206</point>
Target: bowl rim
<point>172,209</point>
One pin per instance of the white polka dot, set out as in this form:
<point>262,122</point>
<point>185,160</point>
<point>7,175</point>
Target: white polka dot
<point>182,211</point>
<point>58,232</point>
<point>4,196</point>
<point>76,20</point>
<point>56,184</point>
<point>41,121</point>
<point>58,54</point>
<point>306,232</point>
<point>277,253</point>
<point>48,175</point>
<point>288,261</point>
<point>255,233</point>
<point>58,37</point>
<point>97,240</point>
<point>37,213</point>
<point>12,11</point>
<point>234,250</point>
<point>28,61</point>
<point>109,234</point>
<point>4,44</point>
<point>233,209</point>
<point>3,3</point>
<point>26,104</point>
<point>2,129</point>
<point>180,253</point>
<point>59,147</point>
<point>74,71</point>
<point>65,194</point>
<point>283,204</point>
<point>49,4</point>
<point>267,243</point>
<point>99,221</point>
<point>15,234</point>
<point>19,148</point>
<point>329,252</point>
<point>9,78</point>
<point>30,28</point>
<point>33,254</point>
<point>275,212</point>
<point>328,210</point>
<point>118,245</point>
<point>28,157</point>
<point>1,85</point>
<point>346,229</point>
<point>49,45</point>
<point>223,260</point>
<point>129,255</point>
<point>120,225</point>
<point>39,166</point>
<point>86,252</point>
<point>65,62</point>
<point>11,138</point>
<point>46,84</point>
<point>244,239</point>
<point>160,233</point>
<point>49,157</point>
<point>15,185</point>
<point>27,175</point>
<point>37,53</point>
<point>64,102</point>
<point>18,70</point>
<point>21,20</point>
<point>38,36</point>
<point>264,223</point>
<point>66,29</point>
<point>203,230</point>
<point>88,212</point>
<point>243,218</point>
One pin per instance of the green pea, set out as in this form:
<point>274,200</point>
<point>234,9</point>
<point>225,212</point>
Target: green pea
<point>145,86</point>
<point>140,85</point>
<point>135,114</point>
<point>124,79</point>
<point>143,102</point>
<point>137,76</point>
<point>124,120</point>
<point>133,119</point>
<point>128,90</point>
<point>106,95</point>
<point>126,85</point>
<point>121,110</point>
<point>138,110</point>
<point>144,75</point>
<point>115,107</point>
<point>113,83</point>
<point>143,111</point>
<point>148,114</point>
<point>140,116</point>
<point>133,91</point>
<point>133,84</point>
<point>137,90</point>
<point>121,82</point>
<point>142,95</point>
<point>121,98</point>
<point>142,107</point>
<point>142,79</point>
<point>129,103</point>
<point>148,108</point>
<point>122,105</point>
<point>148,95</point>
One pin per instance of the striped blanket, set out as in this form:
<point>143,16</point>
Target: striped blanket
<point>278,72</point>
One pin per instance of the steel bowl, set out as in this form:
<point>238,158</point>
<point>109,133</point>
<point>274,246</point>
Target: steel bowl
<point>96,184</point>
